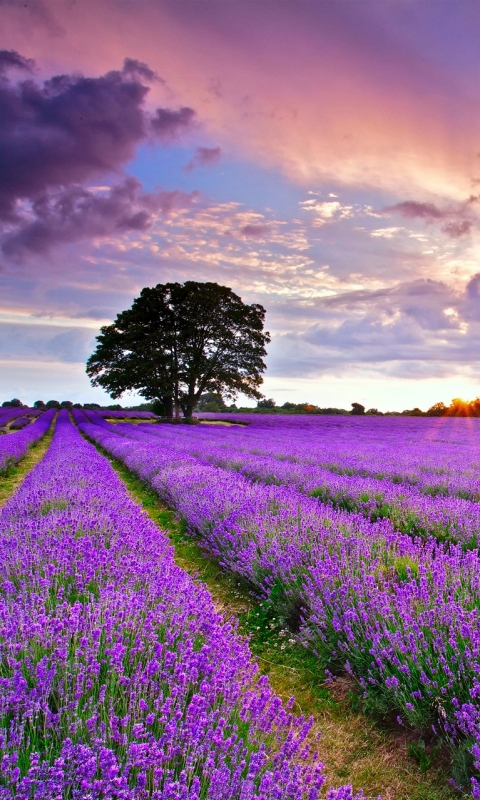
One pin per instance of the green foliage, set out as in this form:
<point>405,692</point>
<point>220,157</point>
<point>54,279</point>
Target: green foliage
<point>357,409</point>
<point>211,401</point>
<point>178,341</point>
<point>270,403</point>
<point>15,403</point>
<point>423,755</point>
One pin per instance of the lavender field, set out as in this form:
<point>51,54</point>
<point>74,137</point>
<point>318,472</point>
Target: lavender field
<point>118,678</point>
<point>362,533</point>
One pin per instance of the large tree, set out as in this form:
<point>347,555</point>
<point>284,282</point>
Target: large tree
<point>178,341</point>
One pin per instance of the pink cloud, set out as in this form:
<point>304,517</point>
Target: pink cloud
<point>321,91</point>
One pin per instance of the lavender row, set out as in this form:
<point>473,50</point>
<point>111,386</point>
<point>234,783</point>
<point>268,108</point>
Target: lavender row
<point>9,414</point>
<point>15,446</point>
<point>439,456</point>
<point>446,518</point>
<point>400,615</point>
<point>118,677</point>
<point>449,519</point>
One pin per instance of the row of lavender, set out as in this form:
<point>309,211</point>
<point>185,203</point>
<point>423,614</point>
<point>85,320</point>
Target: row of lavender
<point>16,445</point>
<point>449,519</point>
<point>437,455</point>
<point>401,615</point>
<point>118,678</point>
<point>9,414</point>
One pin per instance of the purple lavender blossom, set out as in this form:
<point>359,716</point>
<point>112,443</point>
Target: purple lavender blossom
<point>120,679</point>
<point>401,612</point>
<point>14,446</point>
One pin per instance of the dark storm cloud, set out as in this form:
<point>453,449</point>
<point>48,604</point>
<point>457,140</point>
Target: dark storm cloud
<point>76,213</point>
<point>71,129</point>
<point>204,157</point>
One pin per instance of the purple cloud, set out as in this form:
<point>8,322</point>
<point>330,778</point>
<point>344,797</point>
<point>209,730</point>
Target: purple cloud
<point>204,157</point>
<point>254,231</point>
<point>76,213</point>
<point>71,129</point>
<point>457,228</point>
<point>10,59</point>
<point>411,209</point>
<point>168,124</point>
<point>455,225</point>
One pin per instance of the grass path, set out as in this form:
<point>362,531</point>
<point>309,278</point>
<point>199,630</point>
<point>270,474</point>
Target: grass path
<point>380,760</point>
<point>10,482</point>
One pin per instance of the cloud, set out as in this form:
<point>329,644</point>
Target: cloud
<point>9,59</point>
<point>76,213</point>
<point>457,228</point>
<point>57,135</point>
<point>204,157</point>
<point>168,124</point>
<point>423,328</point>
<point>71,128</point>
<point>411,209</point>
<point>255,231</point>
<point>45,343</point>
<point>457,221</point>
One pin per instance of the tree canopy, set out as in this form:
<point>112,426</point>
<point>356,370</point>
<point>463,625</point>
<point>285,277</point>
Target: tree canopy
<point>178,341</point>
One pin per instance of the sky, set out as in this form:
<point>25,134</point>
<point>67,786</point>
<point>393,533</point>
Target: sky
<point>320,157</point>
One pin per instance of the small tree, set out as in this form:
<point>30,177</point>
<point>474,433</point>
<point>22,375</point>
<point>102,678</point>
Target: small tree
<point>178,341</point>
<point>437,410</point>
<point>270,403</point>
<point>53,404</point>
<point>213,400</point>
<point>39,404</point>
<point>357,409</point>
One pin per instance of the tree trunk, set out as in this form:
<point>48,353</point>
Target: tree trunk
<point>168,405</point>
<point>188,409</point>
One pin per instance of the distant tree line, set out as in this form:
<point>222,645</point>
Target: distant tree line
<point>213,402</point>
<point>458,408</point>
<point>42,406</point>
